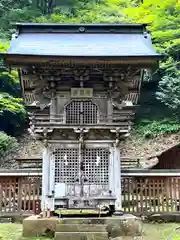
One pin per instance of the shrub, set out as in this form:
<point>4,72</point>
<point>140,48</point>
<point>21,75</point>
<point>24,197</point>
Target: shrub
<point>151,129</point>
<point>8,145</point>
<point>12,114</point>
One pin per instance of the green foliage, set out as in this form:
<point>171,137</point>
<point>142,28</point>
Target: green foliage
<point>12,111</point>
<point>151,129</point>
<point>11,104</point>
<point>4,46</point>
<point>8,145</point>
<point>164,17</point>
<point>9,82</point>
<point>12,114</point>
<point>107,11</point>
<point>170,68</point>
<point>153,117</point>
<point>169,91</point>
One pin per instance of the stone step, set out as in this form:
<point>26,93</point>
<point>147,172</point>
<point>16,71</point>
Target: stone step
<point>80,228</point>
<point>81,236</point>
<point>5,220</point>
<point>95,220</point>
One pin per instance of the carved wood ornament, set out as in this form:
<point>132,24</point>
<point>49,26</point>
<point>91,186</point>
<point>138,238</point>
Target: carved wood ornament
<point>119,85</point>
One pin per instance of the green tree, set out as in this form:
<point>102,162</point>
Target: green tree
<point>12,111</point>
<point>12,11</point>
<point>164,20</point>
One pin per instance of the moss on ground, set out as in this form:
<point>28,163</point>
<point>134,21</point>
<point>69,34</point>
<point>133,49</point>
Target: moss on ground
<point>14,232</point>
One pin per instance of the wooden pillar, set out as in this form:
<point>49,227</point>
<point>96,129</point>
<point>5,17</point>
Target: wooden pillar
<point>117,179</point>
<point>111,171</point>
<point>45,179</point>
<point>47,203</point>
<point>52,180</point>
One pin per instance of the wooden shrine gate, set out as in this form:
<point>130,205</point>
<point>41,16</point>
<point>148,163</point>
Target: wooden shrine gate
<point>19,195</point>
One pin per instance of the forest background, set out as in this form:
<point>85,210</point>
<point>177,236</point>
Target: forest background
<point>159,111</point>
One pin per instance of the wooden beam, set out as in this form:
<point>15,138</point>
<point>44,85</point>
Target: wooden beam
<point>124,172</point>
<point>23,60</point>
<point>151,172</point>
<point>102,125</point>
<point>20,172</point>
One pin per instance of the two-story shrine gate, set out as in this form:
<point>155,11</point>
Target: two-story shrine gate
<point>81,84</point>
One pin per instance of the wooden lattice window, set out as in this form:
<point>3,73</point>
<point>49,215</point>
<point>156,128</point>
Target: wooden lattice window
<point>66,165</point>
<point>81,112</point>
<point>96,164</point>
<point>95,161</point>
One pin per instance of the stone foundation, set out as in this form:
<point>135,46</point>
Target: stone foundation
<point>35,226</point>
<point>116,227</point>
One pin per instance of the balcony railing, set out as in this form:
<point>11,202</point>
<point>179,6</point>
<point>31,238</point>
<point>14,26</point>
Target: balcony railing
<point>101,119</point>
<point>43,122</point>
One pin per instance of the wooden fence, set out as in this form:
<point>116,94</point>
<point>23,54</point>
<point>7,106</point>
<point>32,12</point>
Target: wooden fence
<point>140,194</point>
<point>19,195</point>
<point>151,194</point>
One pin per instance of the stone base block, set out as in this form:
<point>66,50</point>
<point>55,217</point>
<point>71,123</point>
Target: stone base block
<point>35,226</point>
<point>81,236</point>
<point>126,225</point>
<point>5,220</point>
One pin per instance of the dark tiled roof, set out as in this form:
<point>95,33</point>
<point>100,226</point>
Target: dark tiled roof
<point>83,44</point>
